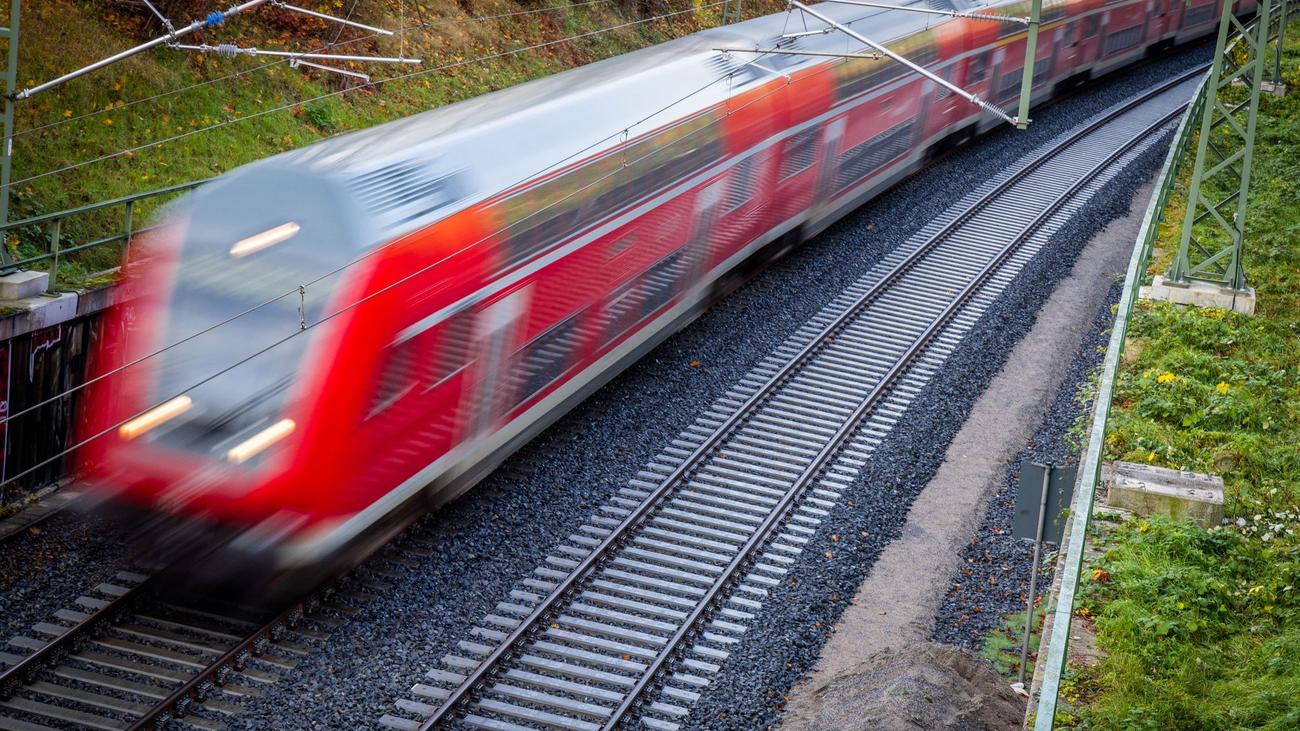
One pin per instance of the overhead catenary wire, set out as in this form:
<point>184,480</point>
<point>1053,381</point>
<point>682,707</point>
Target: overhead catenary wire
<point>335,44</point>
<point>367,255</point>
<point>401,77</point>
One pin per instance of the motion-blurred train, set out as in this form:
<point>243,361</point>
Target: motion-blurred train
<point>358,329</point>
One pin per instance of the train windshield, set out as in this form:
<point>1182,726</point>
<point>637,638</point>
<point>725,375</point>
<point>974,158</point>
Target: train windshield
<point>251,237</point>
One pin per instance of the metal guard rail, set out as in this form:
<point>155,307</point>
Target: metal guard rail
<point>1090,470</point>
<point>53,224</point>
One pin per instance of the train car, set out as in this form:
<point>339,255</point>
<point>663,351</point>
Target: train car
<point>327,342</point>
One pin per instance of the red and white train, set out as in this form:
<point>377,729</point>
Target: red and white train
<point>455,281</point>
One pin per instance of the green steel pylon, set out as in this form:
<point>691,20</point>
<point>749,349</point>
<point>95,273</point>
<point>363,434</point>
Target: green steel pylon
<point>1209,248</point>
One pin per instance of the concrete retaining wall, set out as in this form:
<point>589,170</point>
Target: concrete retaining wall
<point>43,353</point>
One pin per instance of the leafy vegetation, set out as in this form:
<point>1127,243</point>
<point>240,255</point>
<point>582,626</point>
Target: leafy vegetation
<point>1202,626</point>
<point>1002,645</point>
<point>167,117</point>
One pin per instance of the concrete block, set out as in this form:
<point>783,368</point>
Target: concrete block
<point>21,285</point>
<point>1274,88</point>
<point>1201,294</point>
<point>33,313</point>
<point>1147,490</point>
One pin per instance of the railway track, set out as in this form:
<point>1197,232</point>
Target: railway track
<point>130,654</point>
<point>626,622</point>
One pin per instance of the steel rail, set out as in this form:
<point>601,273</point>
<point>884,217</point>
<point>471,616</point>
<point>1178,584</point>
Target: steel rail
<point>60,647</point>
<point>189,693</point>
<point>618,535</point>
<point>197,688</point>
<point>777,517</point>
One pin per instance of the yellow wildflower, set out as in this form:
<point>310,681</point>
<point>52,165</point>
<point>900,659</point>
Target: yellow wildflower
<point>1222,387</point>
<point>1165,377</point>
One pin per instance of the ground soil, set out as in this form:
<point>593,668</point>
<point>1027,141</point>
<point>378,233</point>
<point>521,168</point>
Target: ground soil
<point>921,686</point>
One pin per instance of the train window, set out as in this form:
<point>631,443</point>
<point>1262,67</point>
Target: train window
<point>546,357</point>
<point>865,157</point>
<point>623,244</point>
<point>622,311</point>
<point>1009,86</point>
<point>455,346</point>
<point>640,297</point>
<point>541,216</point>
<point>799,152</point>
<point>859,75</point>
<point>1198,14</point>
<point>397,377</point>
<point>662,281</point>
<point>977,68</point>
<point>1042,67</point>
<point>743,183</point>
<point>650,164</point>
<point>1123,40</point>
<point>1090,26</point>
<point>944,92</point>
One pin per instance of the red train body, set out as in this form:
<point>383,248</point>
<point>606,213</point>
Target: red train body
<point>446,290</point>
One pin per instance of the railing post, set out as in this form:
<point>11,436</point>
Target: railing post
<point>56,233</point>
<point>10,34</point>
<point>1281,43</point>
<point>56,228</point>
<point>127,218</point>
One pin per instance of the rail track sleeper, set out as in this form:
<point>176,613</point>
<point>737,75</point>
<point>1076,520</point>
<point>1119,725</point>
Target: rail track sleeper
<point>719,496</point>
<point>591,641</point>
<point>640,593</point>
<point>500,621</point>
<point>574,671</point>
<point>156,672</point>
<point>688,539</point>
<point>759,579</point>
<point>85,697</point>
<point>648,608</point>
<point>687,524</point>
<point>59,713</point>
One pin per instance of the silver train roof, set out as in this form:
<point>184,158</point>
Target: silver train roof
<point>496,141</point>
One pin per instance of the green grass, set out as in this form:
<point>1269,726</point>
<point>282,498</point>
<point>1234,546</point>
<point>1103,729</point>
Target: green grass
<point>1002,645</point>
<point>1202,627</point>
<point>230,122</point>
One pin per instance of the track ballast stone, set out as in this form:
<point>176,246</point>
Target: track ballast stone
<point>974,605</point>
<point>501,530</point>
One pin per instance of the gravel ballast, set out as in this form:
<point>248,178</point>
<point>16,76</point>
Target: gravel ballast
<point>485,542</point>
<point>975,604</point>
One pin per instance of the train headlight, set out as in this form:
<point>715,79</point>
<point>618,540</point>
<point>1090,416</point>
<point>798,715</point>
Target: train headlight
<point>155,416</point>
<point>267,238</point>
<point>259,442</point>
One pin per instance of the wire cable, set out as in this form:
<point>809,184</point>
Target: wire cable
<point>400,77</point>
<point>280,62</point>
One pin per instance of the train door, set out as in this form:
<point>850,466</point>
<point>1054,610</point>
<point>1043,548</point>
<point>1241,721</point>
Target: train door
<point>498,329</point>
<point>703,247</point>
<point>831,151</point>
